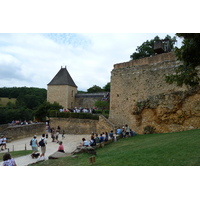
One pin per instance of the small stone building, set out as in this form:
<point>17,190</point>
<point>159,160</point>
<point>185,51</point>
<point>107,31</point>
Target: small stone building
<point>63,90</point>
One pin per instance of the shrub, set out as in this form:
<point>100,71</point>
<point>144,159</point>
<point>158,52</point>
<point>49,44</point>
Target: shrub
<point>149,129</point>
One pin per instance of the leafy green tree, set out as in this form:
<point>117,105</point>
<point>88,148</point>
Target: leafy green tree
<point>147,48</point>
<point>43,110</point>
<point>106,88</point>
<point>189,54</point>
<point>102,105</point>
<point>94,89</point>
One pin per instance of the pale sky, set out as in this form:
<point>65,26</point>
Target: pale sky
<point>33,59</point>
<point>89,37</point>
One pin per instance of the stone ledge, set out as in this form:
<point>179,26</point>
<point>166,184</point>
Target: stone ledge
<point>57,155</point>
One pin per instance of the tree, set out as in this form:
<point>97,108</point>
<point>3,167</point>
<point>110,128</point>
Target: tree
<point>189,54</point>
<point>94,89</point>
<point>147,48</point>
<point>106,88</point>
<point>102,105</point>
<point>43,110</point>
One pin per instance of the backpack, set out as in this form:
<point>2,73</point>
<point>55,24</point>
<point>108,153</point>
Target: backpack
<point>31,142</point>
<point>41,143</point>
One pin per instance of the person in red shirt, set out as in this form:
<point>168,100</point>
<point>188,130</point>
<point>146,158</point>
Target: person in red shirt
<point>61,147</point>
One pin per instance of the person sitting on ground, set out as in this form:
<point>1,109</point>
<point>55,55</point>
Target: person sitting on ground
<point>92,141</point>
<point>132,133</point>
<point>111,135</point>
<point>8,161</point>
<point>61,147</point>
<point>101,139</point>
<point>97,139</point>
<point>106,137</point>
<point>85,142</point>
<point>119,130</point>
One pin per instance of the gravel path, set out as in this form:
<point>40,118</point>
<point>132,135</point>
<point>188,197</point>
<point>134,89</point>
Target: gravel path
<point>69,142</point>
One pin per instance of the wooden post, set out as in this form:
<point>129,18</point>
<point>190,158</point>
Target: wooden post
<point>92,159</point>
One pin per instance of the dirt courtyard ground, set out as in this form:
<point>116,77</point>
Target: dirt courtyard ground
<point>69,142</point>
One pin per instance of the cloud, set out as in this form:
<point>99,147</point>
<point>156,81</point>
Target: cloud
<point>33,60</point>
<point>10,68</point>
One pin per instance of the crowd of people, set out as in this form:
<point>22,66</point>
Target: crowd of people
<point>95,139</point>
<point>54,133</point>
<point>79,110</point>
<point>20,122</point>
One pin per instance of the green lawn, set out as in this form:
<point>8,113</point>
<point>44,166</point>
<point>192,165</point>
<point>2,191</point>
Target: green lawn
<point>166,149</point>
<point>15,154</point>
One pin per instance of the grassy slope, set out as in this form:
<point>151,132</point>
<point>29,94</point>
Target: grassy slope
<point>4,101</point>
<point>168,149</point>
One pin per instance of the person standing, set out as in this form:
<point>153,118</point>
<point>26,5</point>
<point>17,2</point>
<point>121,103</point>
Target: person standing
<point>127,130</point>
<point>63,134</point>
<point>34,144</point>
<point>3,143</point>
<point>42,143</point>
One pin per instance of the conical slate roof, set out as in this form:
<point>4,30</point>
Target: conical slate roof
<point>62,78</point>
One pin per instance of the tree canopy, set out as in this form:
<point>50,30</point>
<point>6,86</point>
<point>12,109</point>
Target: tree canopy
<point>27,100</point>
<point>146,49</point>
<point>189,54</point>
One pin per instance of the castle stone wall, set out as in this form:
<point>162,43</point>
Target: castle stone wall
<point>82,126</point>
<point>22,131</point>
<point>75,126</point>
<point>86,102</point>
<point>136,82</point>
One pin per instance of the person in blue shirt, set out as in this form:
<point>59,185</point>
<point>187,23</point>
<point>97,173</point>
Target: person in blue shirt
<point>111,135</point>
<point>119,131</point>
<point>101,139</point>
<point>34,144</point>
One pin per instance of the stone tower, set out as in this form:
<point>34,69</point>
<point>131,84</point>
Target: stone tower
<point>62,89</point>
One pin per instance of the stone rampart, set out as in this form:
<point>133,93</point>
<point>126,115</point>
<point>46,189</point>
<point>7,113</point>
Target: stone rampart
<point>22,131</point>
<point>74,126</point>
<point>82,126</point>
<point>147,61</point>
<point>143,80</point>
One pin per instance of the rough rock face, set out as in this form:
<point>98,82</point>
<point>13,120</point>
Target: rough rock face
<point>170,112</point>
